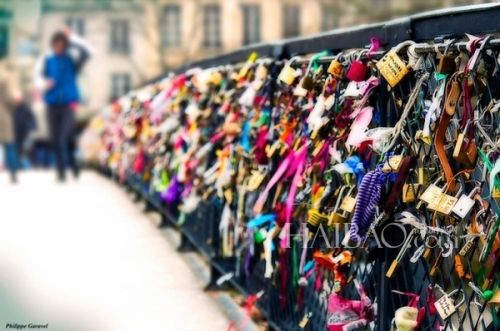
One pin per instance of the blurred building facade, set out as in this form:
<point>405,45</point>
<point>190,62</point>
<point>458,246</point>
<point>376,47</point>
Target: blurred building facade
<point>136,40</point>
<point>123,55</point>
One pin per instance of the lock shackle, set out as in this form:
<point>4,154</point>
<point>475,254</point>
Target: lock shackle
<point>446,51</point>
<point>451,294</point>
<point>457,292</point>
<point>314,59</point>
<point>293,59</point>
<point>339,198</point>
<point>402,45</point>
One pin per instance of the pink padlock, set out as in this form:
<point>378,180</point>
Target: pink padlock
<point>357,71</point>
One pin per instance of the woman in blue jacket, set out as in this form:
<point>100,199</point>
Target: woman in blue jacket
<point>59,71</point>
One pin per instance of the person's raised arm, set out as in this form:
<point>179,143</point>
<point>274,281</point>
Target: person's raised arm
<point>83,47</point>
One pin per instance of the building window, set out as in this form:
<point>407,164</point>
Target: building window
<point>291,21</point>
<point>77,25</point>
<point>120,85</point>
<point>171,26</point>
<point>251,24</point>
<point>120,36</point>
<point>4,40</point>
<point>211,26</point>
<point>330,17</point>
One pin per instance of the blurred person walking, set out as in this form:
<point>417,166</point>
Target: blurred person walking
<point>57,75</point>
<point>7,107</point>
<point>24,125</point>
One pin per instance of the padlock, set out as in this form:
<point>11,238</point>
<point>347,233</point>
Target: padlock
<point>338,216</point>
<point>288,74</point>
<point>256,178</point>
<point>348,204</point>
<point>447,65</point>
<point>495,299</point>
<point>496,193</point>
<point>336,69</point>
<point>464,204</point>
<point>329,101</point>
<point>444,203</point>
<point>392,68</point>
<point>432,193</point>
<point>445,305</point>
<point>357,71</point>
<point>307,82</point>
<point>393,164</point>
<point>299,91</point>
<point>410,192</point>
<point>261,72</point>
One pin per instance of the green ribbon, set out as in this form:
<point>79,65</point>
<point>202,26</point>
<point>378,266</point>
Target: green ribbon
<point>315,65</point>
<point>494,181</point>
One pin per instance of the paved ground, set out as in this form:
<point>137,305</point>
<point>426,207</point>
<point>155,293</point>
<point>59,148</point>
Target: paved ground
<point>82,256</point>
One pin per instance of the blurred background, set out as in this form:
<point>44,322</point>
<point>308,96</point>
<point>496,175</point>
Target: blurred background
<point>67,252</point>
<point>136,40</point>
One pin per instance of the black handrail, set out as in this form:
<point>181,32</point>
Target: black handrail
<point>474,19</point>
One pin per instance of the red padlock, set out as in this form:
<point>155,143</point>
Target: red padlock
<point>357,71</point>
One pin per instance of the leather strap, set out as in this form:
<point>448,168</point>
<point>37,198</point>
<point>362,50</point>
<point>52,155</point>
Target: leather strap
<point>404,171</point>
<point>439,140</point>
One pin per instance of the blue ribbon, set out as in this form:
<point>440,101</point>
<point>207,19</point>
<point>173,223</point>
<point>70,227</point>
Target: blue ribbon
<point>261,220</point>
<point>245,137</point>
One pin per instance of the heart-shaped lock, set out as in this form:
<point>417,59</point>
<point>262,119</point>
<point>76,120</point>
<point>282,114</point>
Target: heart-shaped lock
<point>357,71</point>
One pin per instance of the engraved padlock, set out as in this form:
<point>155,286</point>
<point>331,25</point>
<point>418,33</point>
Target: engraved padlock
<point>432,192</point>
<point>445,305</point>
<point>392,68</point>
<point>446,203</point>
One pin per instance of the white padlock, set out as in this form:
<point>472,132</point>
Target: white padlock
<point>464,204</point>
